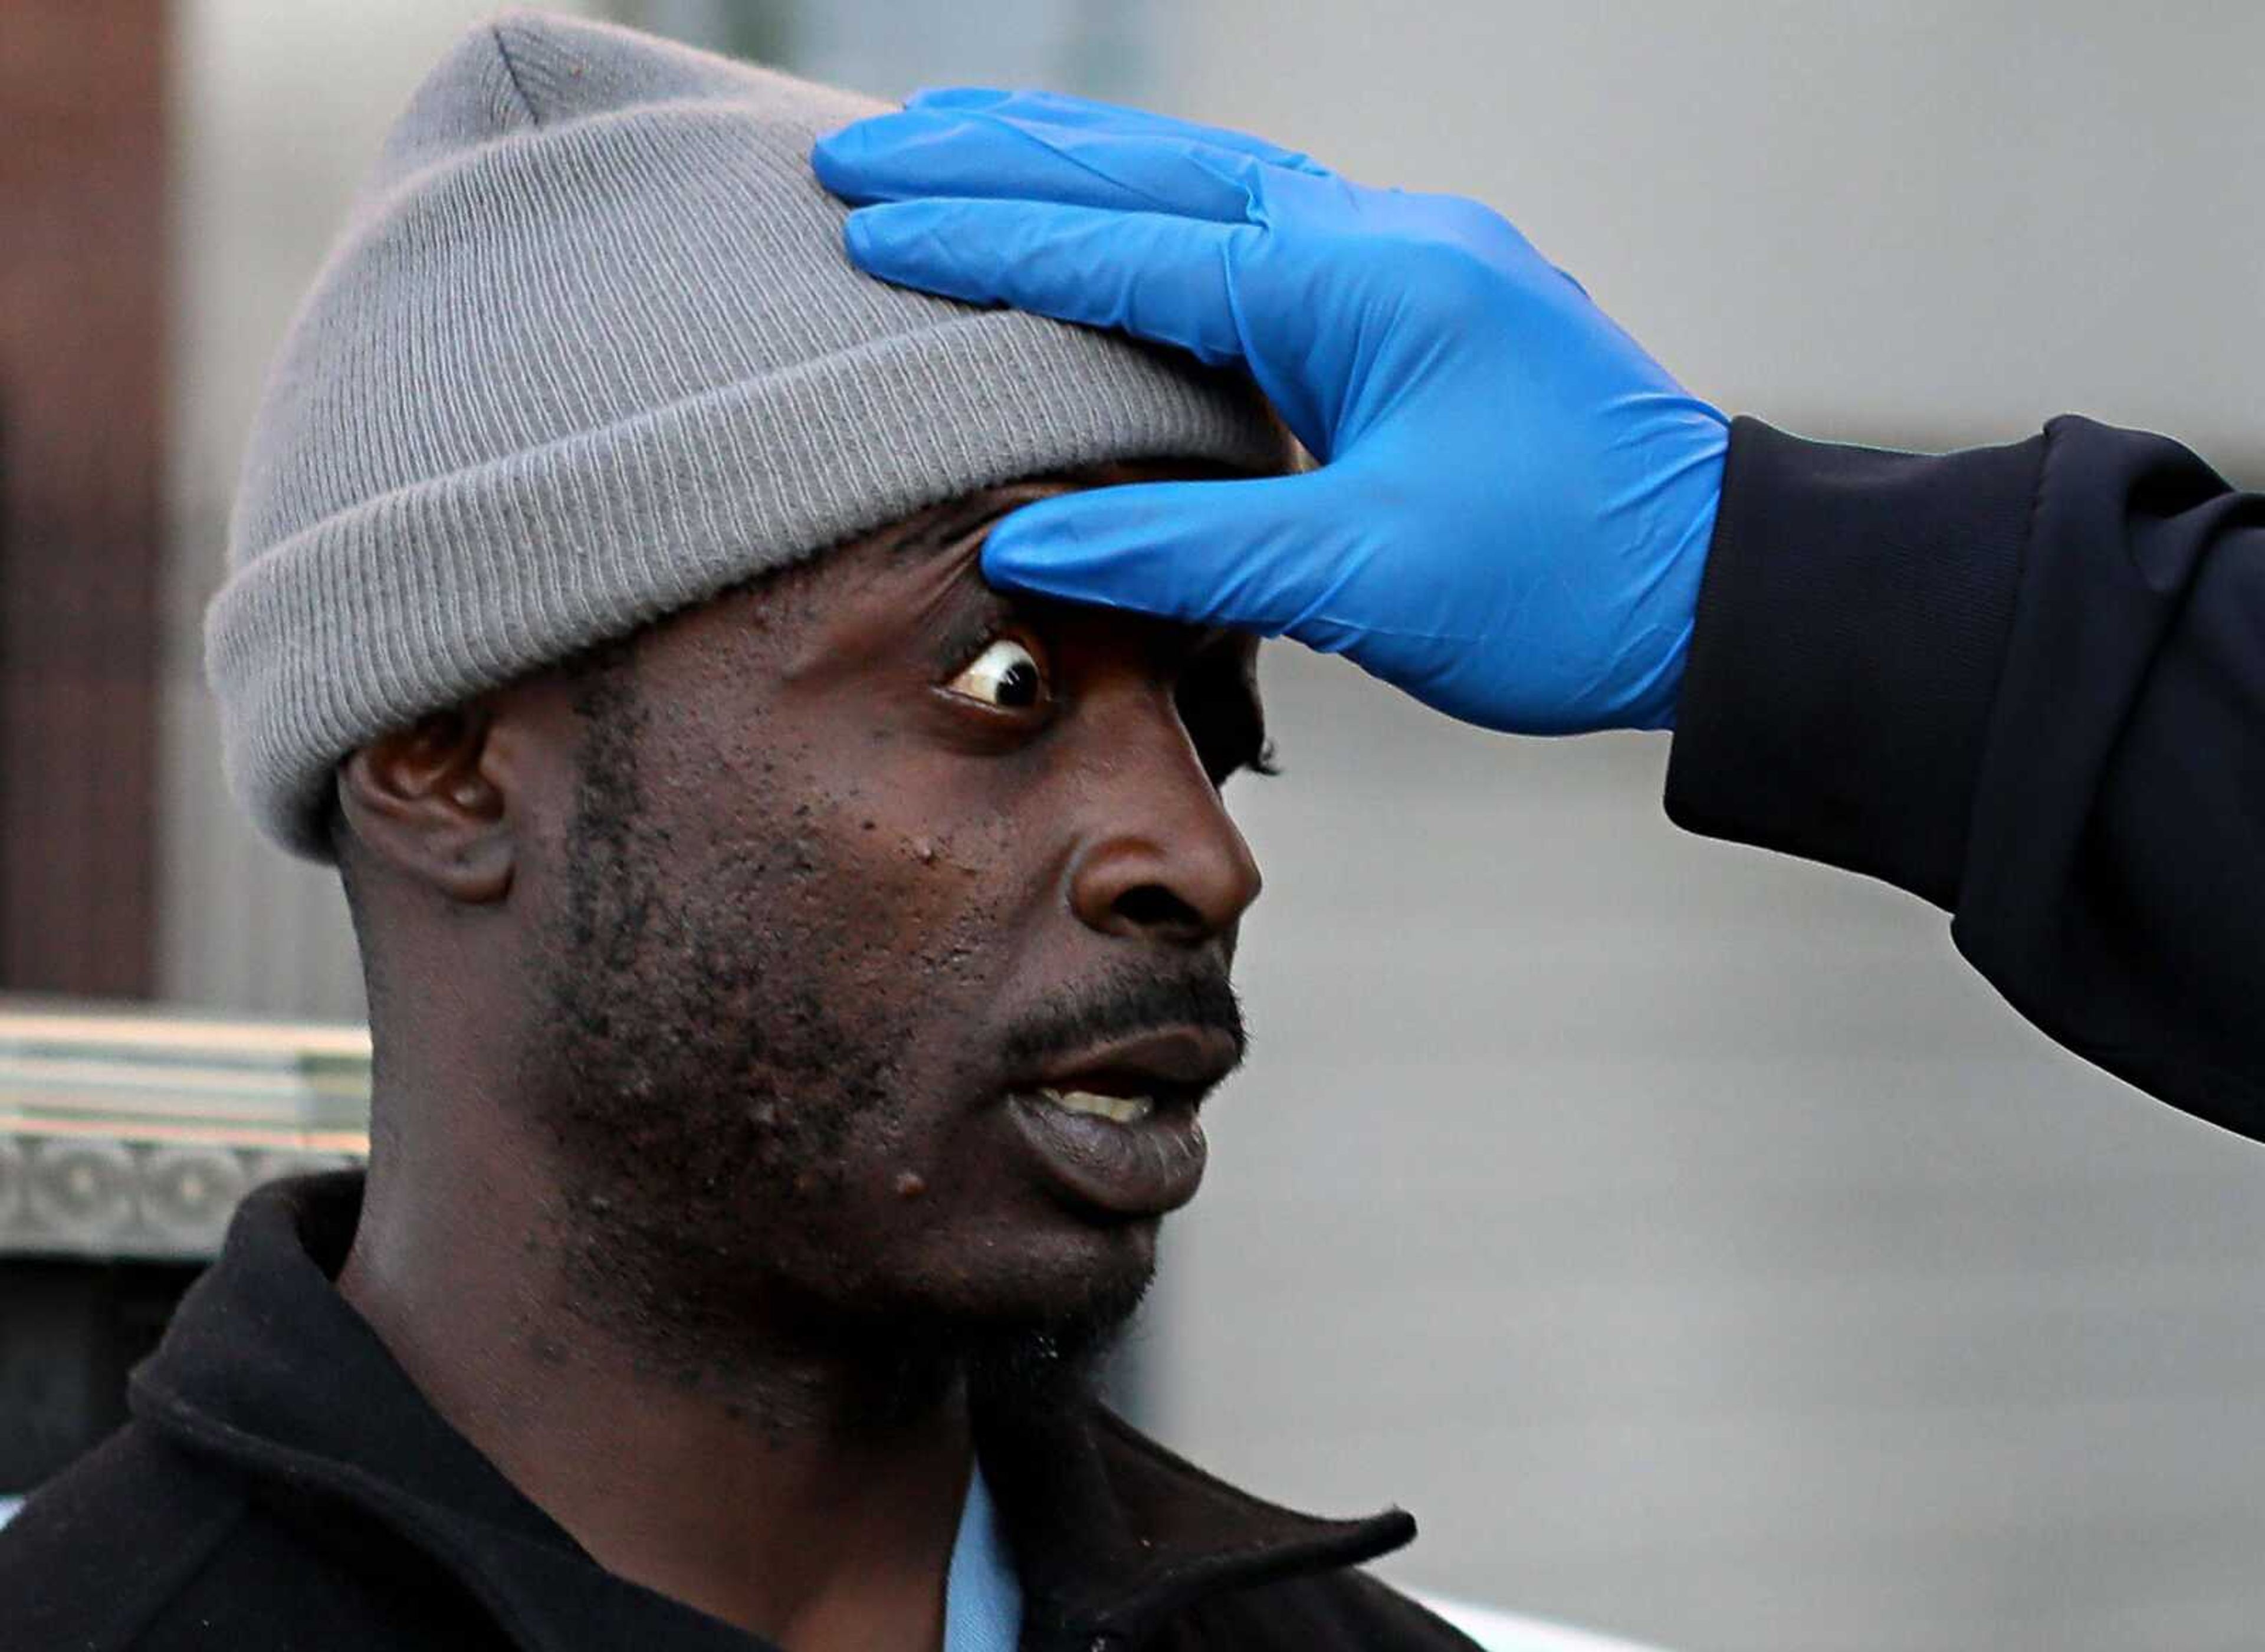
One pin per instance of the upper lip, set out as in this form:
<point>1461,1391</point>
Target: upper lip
<point>1165,1063</point>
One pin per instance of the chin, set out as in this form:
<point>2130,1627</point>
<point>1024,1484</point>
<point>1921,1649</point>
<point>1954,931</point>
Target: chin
<point>1027,1329</point>
<point>1072,1286</point>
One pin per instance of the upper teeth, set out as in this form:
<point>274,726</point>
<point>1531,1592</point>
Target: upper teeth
<point>1123,1109</point>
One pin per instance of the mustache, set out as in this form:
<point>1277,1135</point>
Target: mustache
<point>1123,1005</point>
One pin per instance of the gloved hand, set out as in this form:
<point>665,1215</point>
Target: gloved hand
<point>1513,503</point>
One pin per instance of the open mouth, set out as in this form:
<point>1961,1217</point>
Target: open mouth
<point>1113,1129</point>
<point>1166,1063</point>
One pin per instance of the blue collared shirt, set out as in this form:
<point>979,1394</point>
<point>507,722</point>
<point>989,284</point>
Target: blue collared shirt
<point>982,1599</point>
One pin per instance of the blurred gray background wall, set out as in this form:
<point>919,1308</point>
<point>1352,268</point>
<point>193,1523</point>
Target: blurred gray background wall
<point>1683,1233</point>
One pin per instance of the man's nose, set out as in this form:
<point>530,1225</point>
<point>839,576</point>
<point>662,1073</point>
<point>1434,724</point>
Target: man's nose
<point>1164,860</point>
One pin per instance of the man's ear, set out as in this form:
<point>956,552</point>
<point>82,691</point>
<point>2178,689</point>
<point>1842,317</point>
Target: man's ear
<point>427,801</point>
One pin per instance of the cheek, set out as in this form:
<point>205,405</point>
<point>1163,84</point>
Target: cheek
<point>969,856</point>
<point>946,875</point>
<point>900,878</point>
<point>906,874</point>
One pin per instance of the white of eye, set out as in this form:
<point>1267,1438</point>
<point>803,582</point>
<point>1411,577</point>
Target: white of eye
<point>1005,675</point>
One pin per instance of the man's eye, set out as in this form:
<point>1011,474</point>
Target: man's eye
<point>1005,675</point>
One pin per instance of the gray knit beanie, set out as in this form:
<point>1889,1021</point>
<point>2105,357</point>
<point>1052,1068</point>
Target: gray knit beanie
<point>589,350</point>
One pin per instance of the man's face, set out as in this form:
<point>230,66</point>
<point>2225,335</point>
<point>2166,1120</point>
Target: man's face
<point>868,896</point>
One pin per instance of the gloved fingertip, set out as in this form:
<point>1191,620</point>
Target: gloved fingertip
<point>865,237</point>
<point>1005,556</point>
<point>1027,545</point>
<point>838,157</point>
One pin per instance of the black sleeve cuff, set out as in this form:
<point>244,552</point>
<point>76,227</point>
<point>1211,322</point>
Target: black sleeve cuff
<point>1851,628</point>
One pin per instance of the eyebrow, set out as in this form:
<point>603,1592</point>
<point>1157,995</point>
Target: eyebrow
<point>939,529</point>
<point>947,523</point>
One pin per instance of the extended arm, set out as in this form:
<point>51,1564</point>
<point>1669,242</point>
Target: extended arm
<point>2027,683</point>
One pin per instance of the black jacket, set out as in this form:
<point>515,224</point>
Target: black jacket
<point>282,1484</point>
<point>2027,683</point>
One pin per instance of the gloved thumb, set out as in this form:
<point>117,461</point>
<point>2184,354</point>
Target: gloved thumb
<point>1240,553</point>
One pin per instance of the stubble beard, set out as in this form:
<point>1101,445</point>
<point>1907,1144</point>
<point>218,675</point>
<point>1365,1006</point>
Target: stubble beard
<point>699,1103</point>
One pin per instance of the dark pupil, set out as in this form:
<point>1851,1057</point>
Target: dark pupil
<point>1018,686</point>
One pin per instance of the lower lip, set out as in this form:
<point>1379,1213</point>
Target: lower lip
<point>1144,1167</point>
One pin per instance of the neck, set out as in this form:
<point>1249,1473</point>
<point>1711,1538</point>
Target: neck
<point>793,1491</point>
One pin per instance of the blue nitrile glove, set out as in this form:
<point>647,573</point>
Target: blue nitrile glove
<point>1513,502</point>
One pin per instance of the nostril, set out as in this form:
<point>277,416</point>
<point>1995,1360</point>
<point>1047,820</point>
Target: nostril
<point>1153,907</point>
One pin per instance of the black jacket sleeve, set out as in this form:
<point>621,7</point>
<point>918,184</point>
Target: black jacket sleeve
<point>2027,683</point>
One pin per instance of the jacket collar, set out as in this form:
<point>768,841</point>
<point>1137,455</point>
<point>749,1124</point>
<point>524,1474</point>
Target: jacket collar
<point>268,1370</point>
